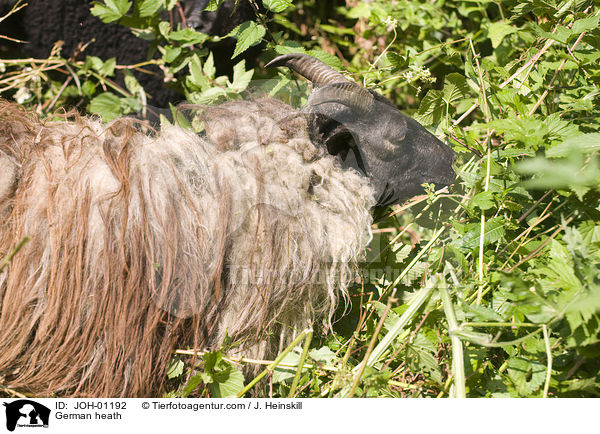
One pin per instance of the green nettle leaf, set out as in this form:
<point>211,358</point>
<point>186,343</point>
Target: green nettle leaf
<point>170,4</point>
<point>286,370</point>
<point>585,25</point>
<point>392,317</point>
<point>175,369</point>
<point>197,76</point>
<point>108,68</point>
<point>132,84</point>
<point>92,62</point>
<point>432,107</point>
<point>323,355</point>
<point>227,382</point>
<point>327,58</point>
<point>165,29</point>
<point>481,313</point>
<point>562,34</point>
<point>421,354</point>
<point>498,31</point>
<point>107,105</point>
<point>455,88</point>
<point>88,88</point>
<point>527,375</point>
<point>483,200</point>
<point>213,5</point>
<point>277,6</point>
<point>192,383</point>
<point>188,36</point>
<point>241,77</point>
<point>247,34</point>
<point>208,68</point>
<point>494,230</point>
<point>147,8</point>
<point>110,10</point>
<point>584,143</point>
<point>171,53</point>
<point>397,61</point>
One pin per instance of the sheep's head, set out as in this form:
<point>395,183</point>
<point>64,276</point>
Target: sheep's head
<point>366,132</point>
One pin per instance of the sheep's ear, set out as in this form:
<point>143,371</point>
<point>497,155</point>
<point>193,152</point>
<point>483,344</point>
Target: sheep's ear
<point>337,140</point>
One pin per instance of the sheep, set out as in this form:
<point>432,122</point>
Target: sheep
<point>142,242</point>
<point>43,23</point>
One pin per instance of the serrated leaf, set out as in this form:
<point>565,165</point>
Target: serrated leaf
<point>241,77</point>
<point>585,25</point>
<point>132,84</point>
<point>584,143</point>
<point>424,357</point>
<point>493,231</point>
<point>561,34</point>
<point>192,383</point>
<point>277,6</point>
<point>107,105</point>
<point>110,10</point>
<point>322,355</point>
<point>88,88</point>
<point>283,374</point>
<point>227,382</point>
<point>431,108</point>
<point>209,66</point>
<point>213,5</point>
<point>171,53</point>
<point>402,252</point>
<point>197,76</point>
<point>108,68</point>
<point>481,313</point>
<point>455,88</point>
<point>208,96</point>
<point>175,368</point>
<point>165,29</point>
<point>188,36</point>
<point>147,8</point>
<point>326,58</point>
<point>483,200</point>
<point>391,318</point>
<point>247,34</point>
<point>397,61</point>
<point>498,31</point>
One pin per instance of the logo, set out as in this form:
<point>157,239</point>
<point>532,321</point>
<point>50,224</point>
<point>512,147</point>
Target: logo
<point>26,413</point>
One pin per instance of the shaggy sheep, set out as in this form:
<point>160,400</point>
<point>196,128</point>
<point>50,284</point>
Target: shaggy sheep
<point>43,23</point>
<point>143,242</point>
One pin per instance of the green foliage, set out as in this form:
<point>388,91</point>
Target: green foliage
<point>514,88</point>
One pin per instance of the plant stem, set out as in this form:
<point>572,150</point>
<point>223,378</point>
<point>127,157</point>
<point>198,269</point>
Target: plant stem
<point>458,362</point>
<point>275,363</point>
<point>309,336</point>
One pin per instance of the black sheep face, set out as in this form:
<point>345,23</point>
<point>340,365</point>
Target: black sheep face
<point>394,151</point>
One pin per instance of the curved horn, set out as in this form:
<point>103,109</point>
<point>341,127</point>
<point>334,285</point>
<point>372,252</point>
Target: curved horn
<point>334,87</point>
<point>309,67</point>
<point>350,94</point>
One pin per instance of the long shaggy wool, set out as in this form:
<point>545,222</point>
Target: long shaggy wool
<point>143,242</point>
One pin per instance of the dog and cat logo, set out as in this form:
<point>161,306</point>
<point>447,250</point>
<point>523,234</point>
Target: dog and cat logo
<point>26,413</point>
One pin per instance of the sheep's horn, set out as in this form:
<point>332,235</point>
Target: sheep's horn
<point>334,86</point>
<point>307,66</point>
<point>348,93</point>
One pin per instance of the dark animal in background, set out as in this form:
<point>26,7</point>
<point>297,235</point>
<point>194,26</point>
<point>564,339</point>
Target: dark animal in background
<point>143,243</point>
<point>42,23</point>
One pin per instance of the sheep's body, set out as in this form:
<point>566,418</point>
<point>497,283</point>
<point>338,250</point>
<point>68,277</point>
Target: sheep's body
<point>142,243</point>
